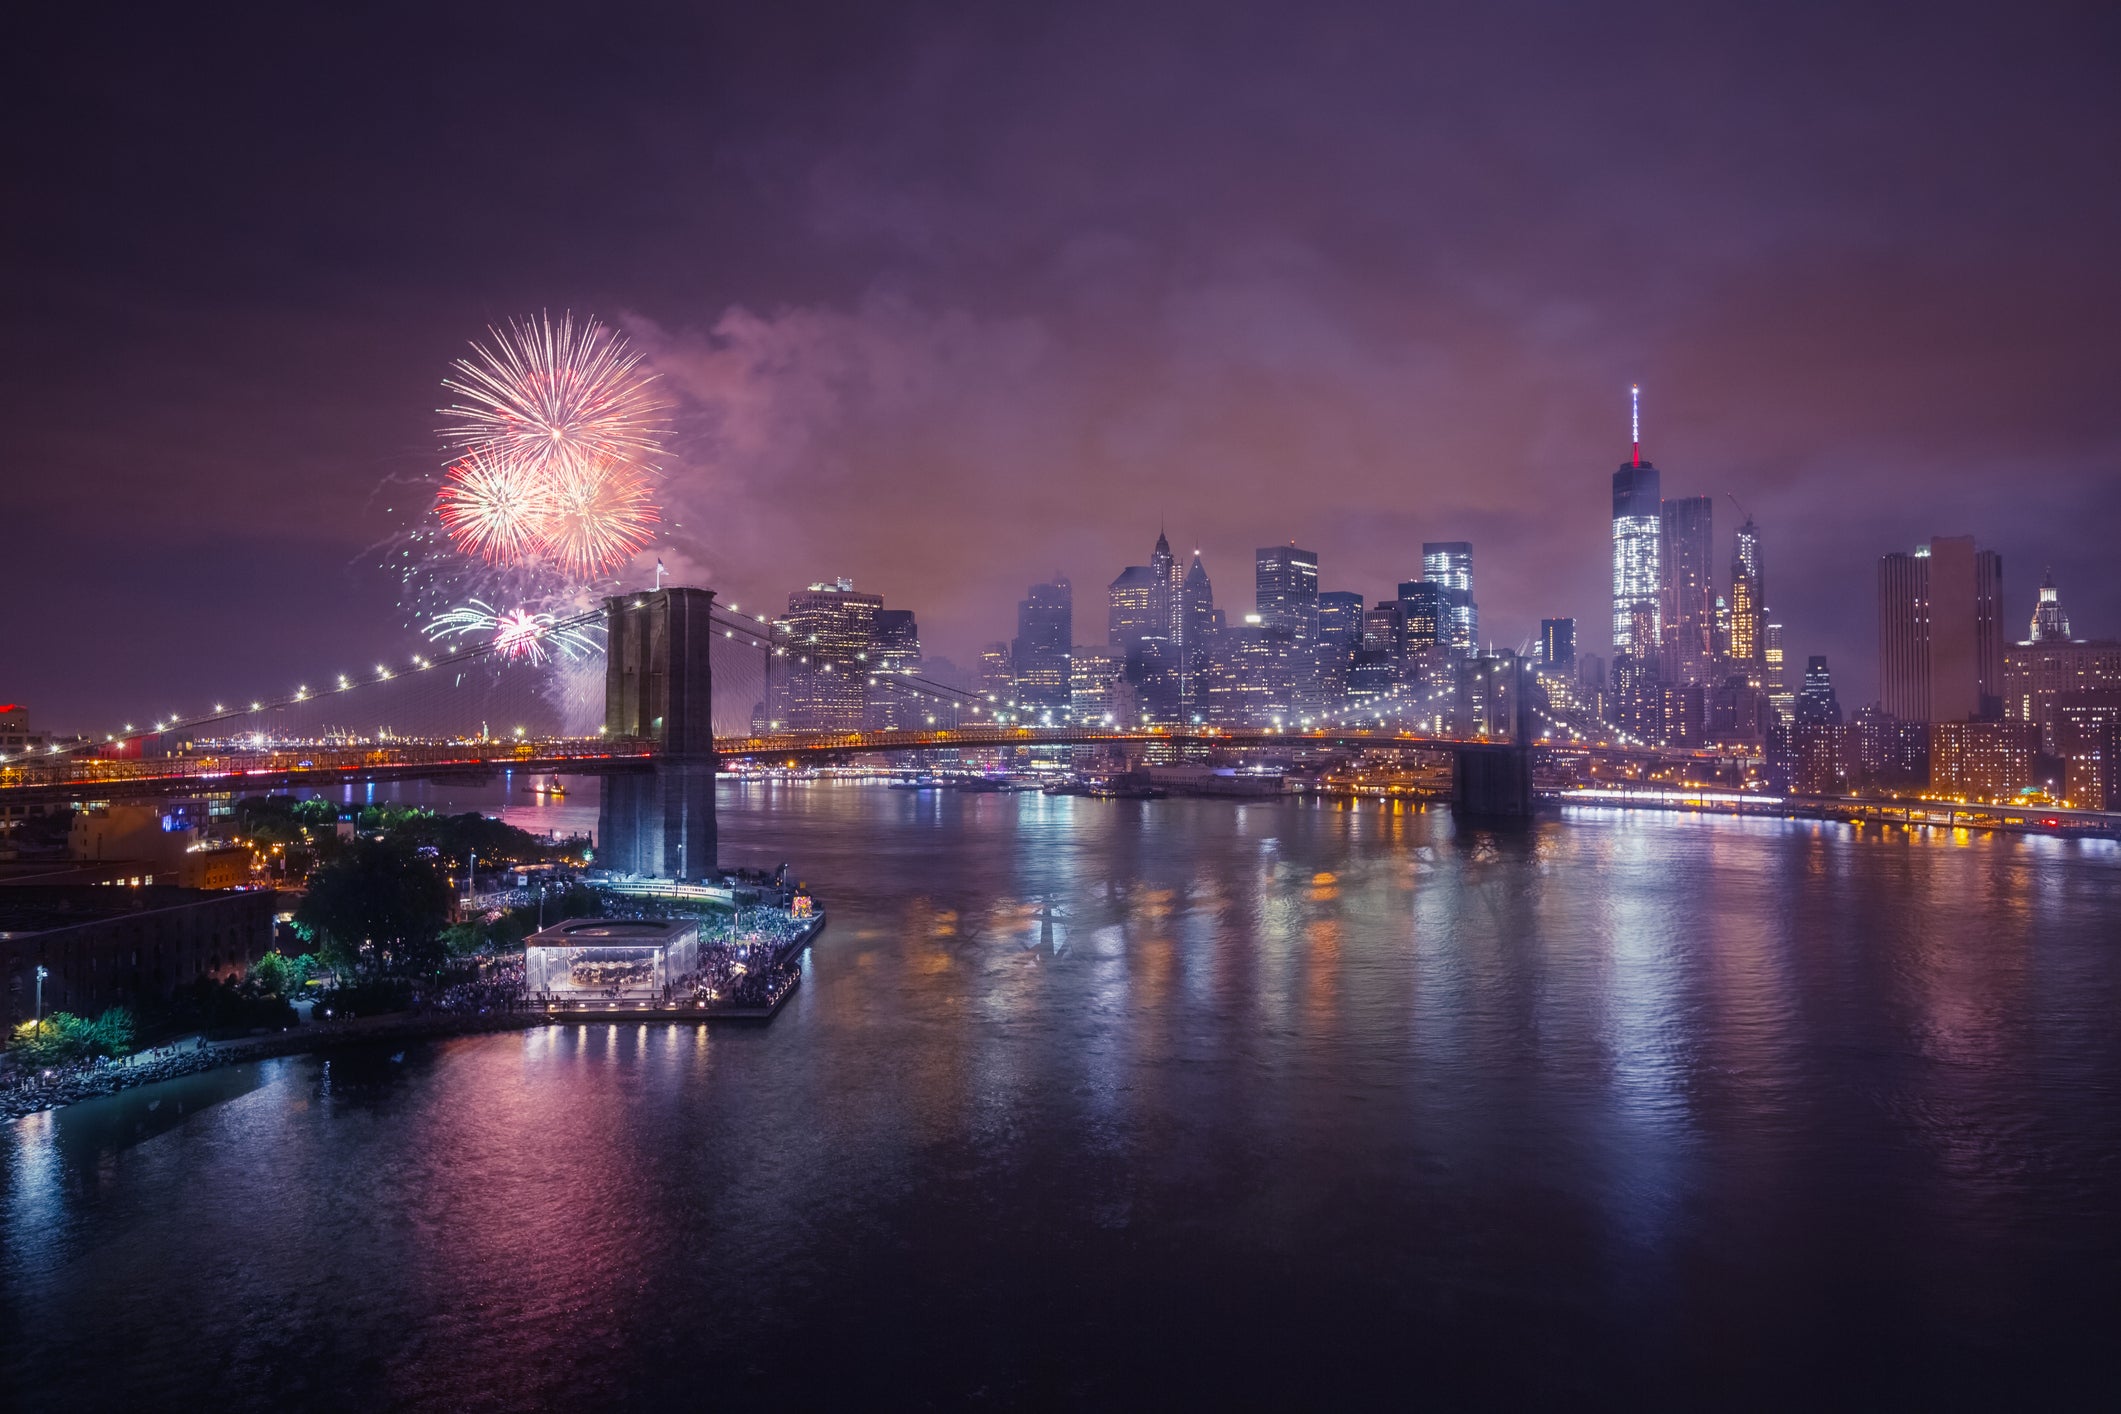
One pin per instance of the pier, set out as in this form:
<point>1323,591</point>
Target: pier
<point>694,1009</point>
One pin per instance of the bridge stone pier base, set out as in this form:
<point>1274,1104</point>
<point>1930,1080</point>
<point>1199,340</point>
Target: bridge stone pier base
<point>1493,781</point>
<point>659,688</point>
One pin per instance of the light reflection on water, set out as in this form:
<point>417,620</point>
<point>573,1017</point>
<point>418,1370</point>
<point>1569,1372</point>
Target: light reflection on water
<point>1117,1101</point>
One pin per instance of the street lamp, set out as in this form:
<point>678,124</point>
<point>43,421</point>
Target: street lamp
<point>42,973</point>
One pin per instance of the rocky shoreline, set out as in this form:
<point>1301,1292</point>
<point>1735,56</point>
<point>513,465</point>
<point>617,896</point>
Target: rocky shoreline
<point>86,1083</point>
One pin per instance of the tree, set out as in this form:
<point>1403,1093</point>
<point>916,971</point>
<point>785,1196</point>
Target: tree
<point>274,974</point>
<point>377,907</point>
<point>63,1037</point>
<point>111,1034</point>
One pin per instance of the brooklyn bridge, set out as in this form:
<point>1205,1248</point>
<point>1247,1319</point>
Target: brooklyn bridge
<point>684,677</point>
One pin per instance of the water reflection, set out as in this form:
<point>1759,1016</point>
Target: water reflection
<point>1164,1088</point>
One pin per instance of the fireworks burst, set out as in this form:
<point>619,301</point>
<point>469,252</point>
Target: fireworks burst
<point>554,437</point>
<point>600,515</point>
<point>518,635</point>
<point>497,509</point>
<point>560,428</point>
<point>544,389</point>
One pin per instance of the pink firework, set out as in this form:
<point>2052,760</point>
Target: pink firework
<point>495,508</point>
<point>601,514</point>
<point>559,427</point>
<point>521,635</point>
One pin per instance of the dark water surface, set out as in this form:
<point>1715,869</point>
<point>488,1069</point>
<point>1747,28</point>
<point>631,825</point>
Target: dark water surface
<point>1283,1104</point>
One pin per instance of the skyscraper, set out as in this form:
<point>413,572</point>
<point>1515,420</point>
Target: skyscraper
<point>1194,624</point>
<point>833,633</point>
<point>1045,631</point>
<point>1687,593</point>
<point>1421,605</point>
<point>1638,532</point>
<point>1098,691</point>
<point>997,674</point>
<point>1448,564</point>
<point>1774,671</point>
<point>1244,676</point>
<point>1384,630</point>
<point>1285,587</point>
<point>1817,702</point>
<point>1940,640</point>
<point>1748,603</point>
<point>1286,591</point>
<point>1340,638</point>
<point>1141,623</point>
<point>1557,646</point>
<point>1424,616</point>
<point>892,703</point>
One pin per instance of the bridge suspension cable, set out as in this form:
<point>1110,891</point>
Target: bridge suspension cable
<point>337,691</point>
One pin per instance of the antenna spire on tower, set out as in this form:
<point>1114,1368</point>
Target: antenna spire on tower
<point>1635,417</point>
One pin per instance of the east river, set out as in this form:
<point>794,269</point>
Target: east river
<point>1173,1103</point>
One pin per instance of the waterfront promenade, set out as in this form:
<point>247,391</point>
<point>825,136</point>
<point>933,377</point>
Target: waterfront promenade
<point>749,985</point>
<point>35,1091</point>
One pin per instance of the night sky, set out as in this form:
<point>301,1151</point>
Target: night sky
<point>960,295</point>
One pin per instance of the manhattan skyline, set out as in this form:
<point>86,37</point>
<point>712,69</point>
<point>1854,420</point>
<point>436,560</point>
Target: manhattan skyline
<point>1352,284</point>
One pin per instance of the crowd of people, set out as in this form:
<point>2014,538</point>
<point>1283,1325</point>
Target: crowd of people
<point>746,968</point>
<point>497,989</point>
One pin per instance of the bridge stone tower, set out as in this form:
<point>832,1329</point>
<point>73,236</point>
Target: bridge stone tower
<point>658,670</point>
<point>1493,780</point>
<point>659,689</point>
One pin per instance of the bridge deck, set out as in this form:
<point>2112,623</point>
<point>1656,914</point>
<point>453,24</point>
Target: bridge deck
<point>84,777</point>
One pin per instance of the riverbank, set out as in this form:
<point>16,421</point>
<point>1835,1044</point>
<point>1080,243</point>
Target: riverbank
<point>35,1094</point>
<point>66,1087</point>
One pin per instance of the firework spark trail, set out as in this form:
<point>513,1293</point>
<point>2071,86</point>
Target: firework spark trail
<point>519,634</point>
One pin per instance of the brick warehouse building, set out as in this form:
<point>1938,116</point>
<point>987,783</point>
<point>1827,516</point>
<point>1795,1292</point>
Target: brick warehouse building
<point>108,945</point>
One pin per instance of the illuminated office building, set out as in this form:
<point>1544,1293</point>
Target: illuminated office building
<point>997,674</point>
<point>1139,623</point>
<point>1286,597</point>
<point>1194,624</point>
<point>1384,629</point>
<point>833,633</point>
<point>1245,676</point>
<point>1448,564</point>
<point>1045,631</point>
<point>1940,646</point>
<point>1687,590</point>
<point>1817,702</point>
<point>1341,630</point>
<point>893,703</point>
<point>1557,647</point>
<point>1638,534</point>
<point>1774,672</point>
<point>1098,691</point>
<point>1748,605</point>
